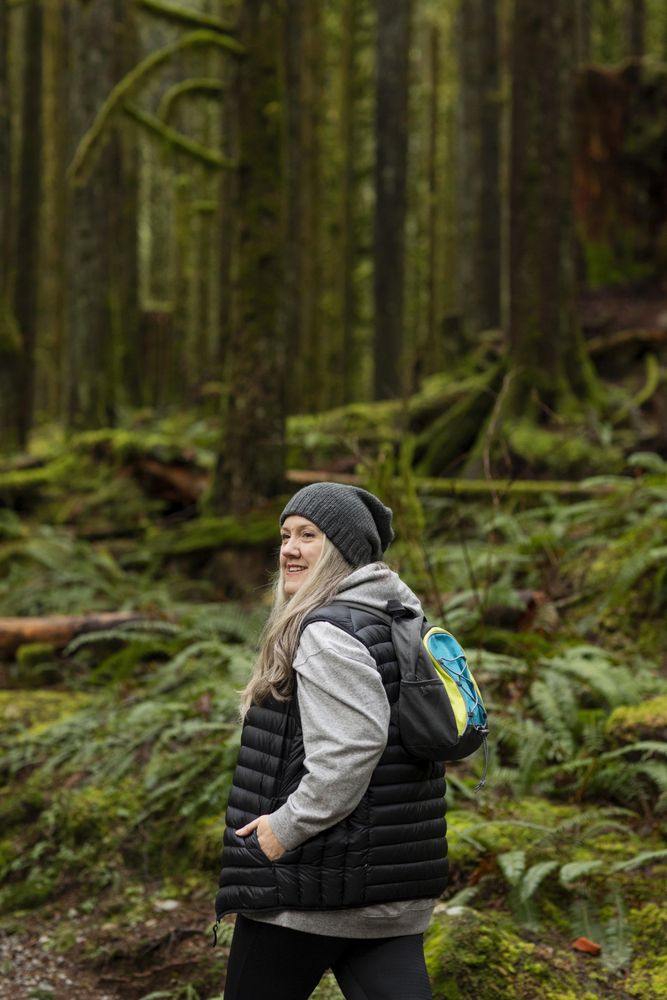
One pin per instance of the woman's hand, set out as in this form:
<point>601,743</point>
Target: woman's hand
<point>266,838</point>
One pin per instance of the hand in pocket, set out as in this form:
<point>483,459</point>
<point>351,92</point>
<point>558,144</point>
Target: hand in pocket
<point>266,838</point>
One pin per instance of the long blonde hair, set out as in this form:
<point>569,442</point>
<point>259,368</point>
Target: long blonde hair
<point>273,674</point>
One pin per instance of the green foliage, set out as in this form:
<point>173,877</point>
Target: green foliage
<point>129,774</point>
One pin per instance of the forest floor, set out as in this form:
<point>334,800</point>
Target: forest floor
<point>117,746</point>
<point>65,952</point>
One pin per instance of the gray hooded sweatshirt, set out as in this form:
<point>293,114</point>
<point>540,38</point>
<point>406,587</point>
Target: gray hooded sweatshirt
<point>345,720</point>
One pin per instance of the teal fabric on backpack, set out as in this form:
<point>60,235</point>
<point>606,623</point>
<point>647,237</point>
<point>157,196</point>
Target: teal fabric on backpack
<point>451,663</point>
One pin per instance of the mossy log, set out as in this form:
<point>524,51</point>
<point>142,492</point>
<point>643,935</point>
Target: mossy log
<point>57,630</point>
<point>451,486</point>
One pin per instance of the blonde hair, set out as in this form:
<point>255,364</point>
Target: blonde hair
<point>273,674</point>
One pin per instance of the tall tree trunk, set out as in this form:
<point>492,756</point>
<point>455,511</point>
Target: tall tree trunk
<point>479,177</point>
<point>10,342</point>
<point>312,352</point>
<point>433,352</point>
<point>584,29</point>
<point>636,27</point>
<point>26,279</point>
<point>292,210</point>
<point>250,461</point>
<point>5,144</point>
<point>54,197</point>
<point>545,347</point>
<point>102,366</point>
<point>391,128</point>
<point>228,200</point>
<point>348,353</point>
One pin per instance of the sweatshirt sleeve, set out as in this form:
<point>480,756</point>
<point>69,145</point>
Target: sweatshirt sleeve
<point>345,721</point>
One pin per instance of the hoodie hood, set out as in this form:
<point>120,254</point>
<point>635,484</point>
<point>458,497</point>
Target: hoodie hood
<point>374,584</point>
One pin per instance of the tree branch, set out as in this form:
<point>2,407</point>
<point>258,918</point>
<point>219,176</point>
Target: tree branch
<point>83,157</point>
<point>196,85</point>
<point>206,155</point>
<point>174,12</point>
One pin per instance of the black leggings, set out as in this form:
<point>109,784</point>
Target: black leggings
<point>267,962</point>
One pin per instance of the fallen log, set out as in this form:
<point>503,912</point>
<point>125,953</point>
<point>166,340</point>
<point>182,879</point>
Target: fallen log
<point>57,630</point>
<point>450,486</point>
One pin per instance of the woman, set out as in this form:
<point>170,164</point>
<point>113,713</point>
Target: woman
<point>335,849</point>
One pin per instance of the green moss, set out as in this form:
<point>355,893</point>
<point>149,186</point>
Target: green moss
<point>648,975</point>
<point>646,721</point>
<point>614,263</point>
<point>561,452</point>
<point>34,891</point>
<point>36,665</point>
<point>35,711</point>
<point>257,528</point>
<point>470,954</point>
<point>31,654</point>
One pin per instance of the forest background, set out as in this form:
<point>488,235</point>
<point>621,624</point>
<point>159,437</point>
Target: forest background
<point>247,245</point>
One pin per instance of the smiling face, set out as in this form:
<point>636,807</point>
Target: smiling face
<point>300,549</point>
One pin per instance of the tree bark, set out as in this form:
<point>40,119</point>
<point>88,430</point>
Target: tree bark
<point>10,343</point>
<point>584,29</point>
<point>433,347</point>
<point>29,216</point>
<point>393,26</point>
<point>251,456</point>
<point>636,28</point>
<point>545,346</point>
<point>348,357</point>
<point>292,43</point>
<point>5,142</point>
<point>102,365</point>
<point>479,165</point>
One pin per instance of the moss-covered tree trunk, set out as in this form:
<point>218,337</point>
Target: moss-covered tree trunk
<point>54,193</point>
<point>433,352</point>
<point>635,17</point>
<point>584,29</point>
<point>101,235</point>
<point>391,128</point>
<point>479,165</point>
<point>348,356</point>
<point>292,43</point>
<point>250,461</point>
<point>312,349</point>
<point>28,202</point>
<point>9,340</point>
<point>545,346</point>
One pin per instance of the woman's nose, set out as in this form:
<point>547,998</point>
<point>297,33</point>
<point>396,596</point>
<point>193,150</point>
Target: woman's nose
<point>290,547</point>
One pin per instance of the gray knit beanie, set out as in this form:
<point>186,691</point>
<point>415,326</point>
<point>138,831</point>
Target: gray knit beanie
<point>356,522</point>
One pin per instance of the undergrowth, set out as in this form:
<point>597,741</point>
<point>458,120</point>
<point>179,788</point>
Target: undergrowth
<point>116,770</point>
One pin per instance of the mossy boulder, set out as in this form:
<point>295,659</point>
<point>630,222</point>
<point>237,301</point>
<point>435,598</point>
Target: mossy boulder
<point>470,954</point>
<point>645,721</point>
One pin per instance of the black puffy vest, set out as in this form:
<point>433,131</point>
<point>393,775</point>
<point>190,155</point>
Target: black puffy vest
<point>391,847</point>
